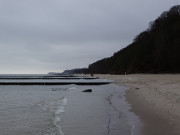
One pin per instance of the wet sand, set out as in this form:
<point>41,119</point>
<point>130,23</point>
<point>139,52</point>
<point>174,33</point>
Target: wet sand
<point>155,98</point>
<point>102,112</point>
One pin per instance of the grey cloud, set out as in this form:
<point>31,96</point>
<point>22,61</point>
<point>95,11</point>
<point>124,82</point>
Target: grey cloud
<point>38,36</point>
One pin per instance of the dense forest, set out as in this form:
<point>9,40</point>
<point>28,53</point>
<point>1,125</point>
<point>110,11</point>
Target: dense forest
<point>156,50</point>
<point>76,71</point>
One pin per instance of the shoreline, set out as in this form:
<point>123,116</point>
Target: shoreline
<point>155,99</point>
<point>102,112</point>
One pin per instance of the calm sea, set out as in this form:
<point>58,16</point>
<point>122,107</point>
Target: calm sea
<point>66,110</point>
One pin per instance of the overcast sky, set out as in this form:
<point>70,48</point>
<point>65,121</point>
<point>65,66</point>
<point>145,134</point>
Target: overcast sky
<point>40,36</point>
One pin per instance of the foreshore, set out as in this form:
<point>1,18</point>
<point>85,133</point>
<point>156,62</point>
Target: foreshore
<point>155,99</point>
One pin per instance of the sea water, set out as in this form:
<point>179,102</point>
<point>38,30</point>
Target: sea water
<point>66,110</point>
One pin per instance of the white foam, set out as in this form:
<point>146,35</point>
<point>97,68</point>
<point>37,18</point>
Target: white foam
<point>72,88</point>
<point>56,120</point>
<point>59,110</point>
<point>56,108</point>
<point>64,101</point>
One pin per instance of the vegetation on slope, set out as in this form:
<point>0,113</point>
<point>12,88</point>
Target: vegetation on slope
<point>156,50</point>
<point>76,71</point>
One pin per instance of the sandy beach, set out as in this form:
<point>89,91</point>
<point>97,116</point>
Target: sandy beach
<point>155,99</point>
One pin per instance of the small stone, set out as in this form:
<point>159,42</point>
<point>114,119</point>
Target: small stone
<point>88,90</point>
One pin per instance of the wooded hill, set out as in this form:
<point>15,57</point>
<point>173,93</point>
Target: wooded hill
<point>156,50</point>
<point>76,71</point>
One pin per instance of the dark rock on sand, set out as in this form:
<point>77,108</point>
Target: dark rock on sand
<point>87,90</point>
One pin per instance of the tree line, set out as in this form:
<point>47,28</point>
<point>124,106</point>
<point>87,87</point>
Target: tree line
<point>155,50</point>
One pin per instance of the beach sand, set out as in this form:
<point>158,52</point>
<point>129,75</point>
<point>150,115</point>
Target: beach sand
<point>155,99</point>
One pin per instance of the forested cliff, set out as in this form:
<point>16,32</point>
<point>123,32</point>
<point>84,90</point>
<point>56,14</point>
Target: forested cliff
<point>156,50</point>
